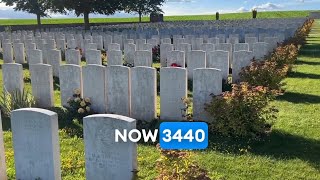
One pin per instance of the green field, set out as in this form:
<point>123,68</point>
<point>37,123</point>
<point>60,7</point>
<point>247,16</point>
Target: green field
<point>276,14</point>
<point>291,151</point>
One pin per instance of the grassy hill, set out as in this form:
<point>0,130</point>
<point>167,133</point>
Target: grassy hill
<point>275,14</point>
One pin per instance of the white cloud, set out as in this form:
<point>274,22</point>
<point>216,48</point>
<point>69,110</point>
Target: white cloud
<point>267,7</point>
<point>242,9</point>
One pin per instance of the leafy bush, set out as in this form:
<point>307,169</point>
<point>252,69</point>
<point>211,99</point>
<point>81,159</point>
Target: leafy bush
<point>79,107</point>
<point>176,165</point>
<point>217,16</point>
<point>264,73</point>
<point>10,101</point>
<point>243,112</point>
<point>285,55</point>
<point>26,77</point>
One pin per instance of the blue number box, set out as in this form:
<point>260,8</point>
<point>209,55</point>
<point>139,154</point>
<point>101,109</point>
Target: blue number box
<point>183,135</point>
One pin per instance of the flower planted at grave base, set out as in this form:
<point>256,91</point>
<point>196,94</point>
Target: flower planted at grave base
<point>83,104</point>
<point>77,91</point>
<point>80,110</point>
<point>79,107</point>
<point>87,100</point>
<point>175,65</point>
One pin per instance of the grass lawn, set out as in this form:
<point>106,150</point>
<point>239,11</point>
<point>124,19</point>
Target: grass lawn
<point>292,151</point>
<point>248,15</point>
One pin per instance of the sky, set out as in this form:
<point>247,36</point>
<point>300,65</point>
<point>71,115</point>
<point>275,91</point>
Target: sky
<point>193,7</point>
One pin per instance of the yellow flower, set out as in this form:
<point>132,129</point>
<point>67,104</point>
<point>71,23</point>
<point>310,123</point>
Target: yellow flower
<point>87,100</point>
<point>88,109</point>
<point>80,110</point>
<point>77,91</point>
<point>83,104</point>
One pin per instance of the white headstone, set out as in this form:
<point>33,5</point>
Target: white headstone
<point>206,82</point>
<point>164,51</point>
<point>143,93</point>
<point>94,86</point>
<point>176,57</point>
<point>19,53</point>
<point>93,57</point>
<point>196,59</point>
<point>36,144</point>
<point>118,90</point>
<point>73,57</point>
<point>70,79</point>
<point>105,158</point>
<point>173,89</point>
<point>54,59</point>
<point>241,47</point>
<point>35,57</point>
<point>129,50</point>
<point>143,58</point>
<point>219,60</point>
<point>7,53</point>
<point>114,58</point>
<point>241,59</point>
<point>12,74</point>
<point>260,50</point>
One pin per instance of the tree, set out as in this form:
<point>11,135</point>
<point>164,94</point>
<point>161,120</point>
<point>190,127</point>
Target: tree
<point>85,7</point>
<point>143,7</point>
<point>41,8</point>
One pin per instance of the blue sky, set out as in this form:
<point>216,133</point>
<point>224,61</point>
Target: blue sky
<point>192,7</point>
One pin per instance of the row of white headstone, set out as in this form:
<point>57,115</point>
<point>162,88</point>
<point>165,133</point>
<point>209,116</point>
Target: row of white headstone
<point>121,90</point>
<point>37,151</point>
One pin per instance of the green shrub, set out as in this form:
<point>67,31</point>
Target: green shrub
<point>217,16</point>
<point>243,112</point>
<point>264,73</point>
<point>15,100</point>
<point>26,77</point>
<point>176,165</point>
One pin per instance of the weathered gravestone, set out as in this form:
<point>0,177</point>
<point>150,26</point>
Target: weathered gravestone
<point>105,158</point>
<point>3,174</point>
<point>12,77</point>
<point>93,57</point>
<point>226,47</point>
<point>206,82</point>
<point>118,90</point>
<point>73,57</point>
<point>207,47</point>
<point>241,47</point>
<point>113,47</point>
<point>19,53</point>
<point>42,85</point>
<point>94,86</point>
<point>143,93</point>
<point>70,79</point>
<point>143,58</point>
<point>173,89</point>
<point>54,59</point>
<point>129,51</point>
<point>7,53</point>
<point>29,47</point>
<point>196,59</point>
<point>176,57</point>
<point>219,60</point>
<point>36,144</point>
<point>35,57</point>
<point>251,41</point>
<point>114,58</point>
<point>241,59</point>
<point>165,49</point>
<point>260,50</point>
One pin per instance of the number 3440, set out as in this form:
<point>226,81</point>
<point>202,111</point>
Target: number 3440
<point>198,135</point>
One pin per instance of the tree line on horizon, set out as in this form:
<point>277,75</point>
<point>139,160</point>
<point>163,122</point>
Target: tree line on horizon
<point>42,8</point>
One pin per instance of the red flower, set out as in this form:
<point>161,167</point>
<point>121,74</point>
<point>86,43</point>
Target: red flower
<point>175,65</point>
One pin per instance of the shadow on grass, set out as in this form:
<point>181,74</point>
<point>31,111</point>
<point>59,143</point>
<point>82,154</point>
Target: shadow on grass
<point>279,145</point>
<point>299,98</point>
<point>303,75</point>
<point>312,63</point>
